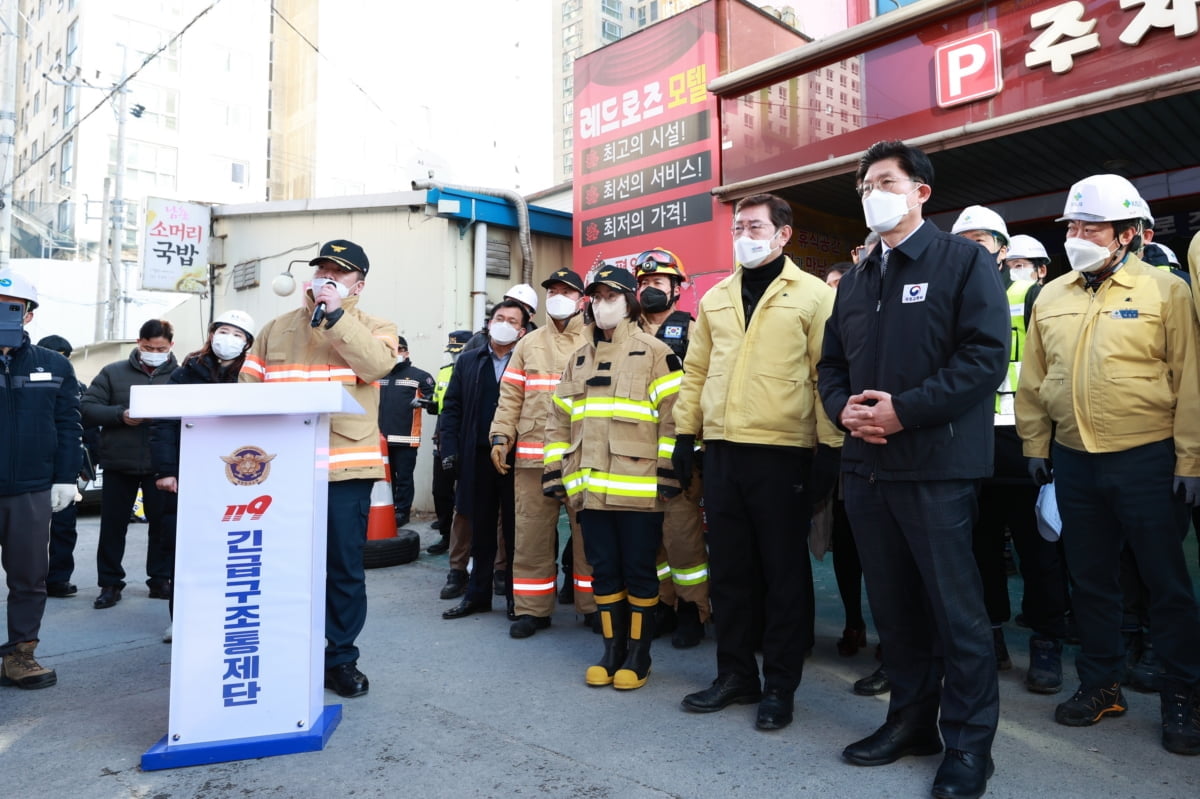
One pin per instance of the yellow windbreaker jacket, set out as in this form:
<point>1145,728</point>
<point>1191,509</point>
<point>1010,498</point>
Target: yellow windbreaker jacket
<point>1114,369</point>
<point>758,385</point>
<point>356,352</point>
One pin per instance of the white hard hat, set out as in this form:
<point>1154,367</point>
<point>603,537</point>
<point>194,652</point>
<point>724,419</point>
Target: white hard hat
<point>1105,198</point>
<point>976,217</point>
<point>523,293</point>
<point>1022,246</point>
<point>239,319</point>
<point>13,285</point>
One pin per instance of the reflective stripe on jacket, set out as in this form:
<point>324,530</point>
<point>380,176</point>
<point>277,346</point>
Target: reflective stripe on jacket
<point>610,438</point>
<point>1115,368</point>
<point>1005,395</point>
<point>358,350</point>
<point>527,388</point>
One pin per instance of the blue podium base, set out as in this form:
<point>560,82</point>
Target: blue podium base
<point>162,755</point>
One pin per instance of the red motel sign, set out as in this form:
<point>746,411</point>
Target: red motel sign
<point>968,69</point>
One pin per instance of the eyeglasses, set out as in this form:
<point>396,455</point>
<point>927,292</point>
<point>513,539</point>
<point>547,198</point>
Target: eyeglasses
<point>754,229</point>
<point>886,184</point>
<point>650,260</point>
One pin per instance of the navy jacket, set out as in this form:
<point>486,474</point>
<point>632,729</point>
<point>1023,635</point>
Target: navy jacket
<point>399,421</point>
<point>467,411</point>
<point>39,420</point>
<point>934,333</point>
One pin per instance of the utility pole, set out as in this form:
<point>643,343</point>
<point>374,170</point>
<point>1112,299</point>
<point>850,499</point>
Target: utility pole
<point>116,293</point>
<point>8,126</point>
<point>104,307</point>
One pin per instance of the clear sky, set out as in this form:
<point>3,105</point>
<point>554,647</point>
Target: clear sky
<point>464,84</point>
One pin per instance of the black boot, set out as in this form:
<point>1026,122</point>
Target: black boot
<point>614,622</point>
<point>689,630</point>
<point>456,584</point>
<point>636,669</point>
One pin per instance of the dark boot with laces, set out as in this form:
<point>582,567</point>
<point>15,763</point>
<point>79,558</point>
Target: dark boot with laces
<point>1090,704</point>
<point>1180,718</point>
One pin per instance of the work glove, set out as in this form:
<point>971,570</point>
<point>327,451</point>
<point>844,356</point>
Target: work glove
<point>61,495</point>
<point>683,459</point>
<point>421,402</point>
<point>826,463</point>
<point>1039,470</point>
<point>500,457</point>
<point>1188,489</point>
<point>450,465</point>
<point>552,485</point>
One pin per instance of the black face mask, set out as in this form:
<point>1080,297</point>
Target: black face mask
<point>654,300</point>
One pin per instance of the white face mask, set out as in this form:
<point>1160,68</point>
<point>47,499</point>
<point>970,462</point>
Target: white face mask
<point>502,332</point>
<point>153,359</point>
<point>1021,274</point>
<point>608,313</point>
<point>319,282</point>
<point>883,210</point>
<point>1087,256</point>
<point>560,306</point>
<point>752,253</point>
<point>227,346</point>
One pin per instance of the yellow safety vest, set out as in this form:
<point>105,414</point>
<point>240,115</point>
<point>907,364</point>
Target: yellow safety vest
<point>1005,413</point>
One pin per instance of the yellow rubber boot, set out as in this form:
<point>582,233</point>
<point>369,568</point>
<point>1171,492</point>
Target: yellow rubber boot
<point>636,669</point>
<point>614,623</point>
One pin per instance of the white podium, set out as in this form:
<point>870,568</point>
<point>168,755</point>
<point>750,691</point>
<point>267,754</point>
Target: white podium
<point>247,661</point>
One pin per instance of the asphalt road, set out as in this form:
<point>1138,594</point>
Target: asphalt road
<point>459,709</point>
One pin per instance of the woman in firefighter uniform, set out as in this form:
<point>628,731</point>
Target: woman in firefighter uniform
<point>683,557</point>
<point>608,451</point>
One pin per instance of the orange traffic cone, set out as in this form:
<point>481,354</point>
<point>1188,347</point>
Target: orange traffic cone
<point>384,546</point>
<point>382,521</point>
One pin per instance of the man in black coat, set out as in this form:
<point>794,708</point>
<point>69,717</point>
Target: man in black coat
<point>482,493</point>
<point>125,454</point>
<point>913,354</point>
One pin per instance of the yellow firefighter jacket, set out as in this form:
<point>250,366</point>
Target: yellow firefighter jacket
<point>356,352</point>
<point>609,441</point>
<point>527,388</point>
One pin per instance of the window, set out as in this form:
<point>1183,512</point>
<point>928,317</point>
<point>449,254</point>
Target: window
<point>68,105</point>
<point>829,91</point>
<point>568,162</point>
<point>25,72</point>
<point>149,165</point>
<point>54,116</point>
<point>611,7</point>
<point>783,111</point>
<point>748,121</point>
<point>568,138</point>
<point>842,97</point>
<point>237,172</point>
<point>568,111</point>
<point>610,31</point>
<point>568,84</point>
<point>842,80</point>
<point>162,107</point>
<point>41,8</point>
<point>33,150</point>
<point>570,7</point>
<point>37,102</point>
<point>37,57</point>
<point>72,43</point>
<point>654,10</point>
<point>66,161</point>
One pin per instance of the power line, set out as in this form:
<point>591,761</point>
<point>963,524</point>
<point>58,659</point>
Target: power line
<point>7,189</point>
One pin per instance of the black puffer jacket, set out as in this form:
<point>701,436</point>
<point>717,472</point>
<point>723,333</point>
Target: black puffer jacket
<point>164,433</point>
<point>39,420</point>
<point>123,448</point>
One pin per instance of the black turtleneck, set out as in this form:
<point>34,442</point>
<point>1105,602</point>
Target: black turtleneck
<point>755,282</point>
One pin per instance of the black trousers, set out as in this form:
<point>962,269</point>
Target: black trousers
<point>1008,500</point>
<point>116,503</point>
<point>63,536</point>
<point>345,576</point>
<point>402,461</point>
<point>622,547</point>
<point>1109,499</point>
<point>493,497</point>
<point>760,576</point>
<point>443,494</point>
<point>914,539</point>
<point>847,569</point>
<point>24,544</point>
